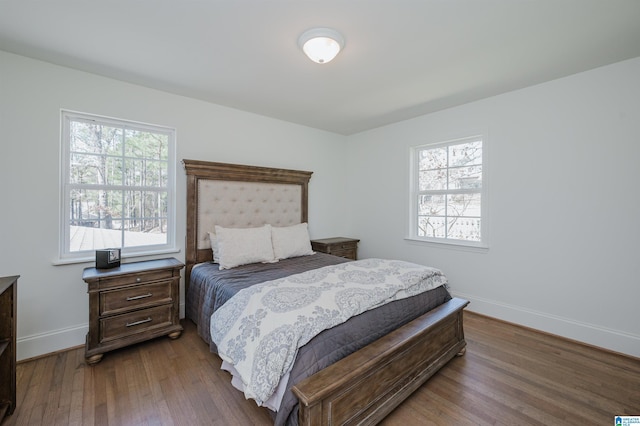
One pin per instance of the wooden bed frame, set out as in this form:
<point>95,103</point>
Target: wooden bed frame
<point>367,385</point>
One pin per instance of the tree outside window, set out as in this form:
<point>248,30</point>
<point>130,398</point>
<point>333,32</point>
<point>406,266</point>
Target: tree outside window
<point>118,180</point>
<point>448,191</point>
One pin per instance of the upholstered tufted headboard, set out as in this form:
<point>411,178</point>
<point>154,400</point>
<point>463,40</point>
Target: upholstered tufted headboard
<point>238,196</point>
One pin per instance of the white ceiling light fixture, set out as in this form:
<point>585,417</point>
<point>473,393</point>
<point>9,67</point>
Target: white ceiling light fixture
<point>321,45</point>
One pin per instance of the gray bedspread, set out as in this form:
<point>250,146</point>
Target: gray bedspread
<point>210,288</point>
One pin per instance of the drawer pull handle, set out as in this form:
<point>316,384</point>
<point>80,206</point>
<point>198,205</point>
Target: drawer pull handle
<point>138,279</point>
<point>131,324</point>
<point>142,296</point>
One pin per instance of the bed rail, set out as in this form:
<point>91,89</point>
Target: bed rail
<point>368,384</point>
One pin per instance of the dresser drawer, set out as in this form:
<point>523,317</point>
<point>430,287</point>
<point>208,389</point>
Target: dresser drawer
<point>135,278</point>
<point>136,297</point>
<point>124,325</point>
<point>348,251</point>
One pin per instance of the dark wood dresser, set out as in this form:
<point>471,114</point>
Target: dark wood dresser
<point>337,246</point>
<point>8,310</point>
<point>132,303</point>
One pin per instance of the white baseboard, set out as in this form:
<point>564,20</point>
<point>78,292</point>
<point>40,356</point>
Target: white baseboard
<point>591,334</point>
<point>57,340</point>
<point>613,340</point>
<point>52,341</point>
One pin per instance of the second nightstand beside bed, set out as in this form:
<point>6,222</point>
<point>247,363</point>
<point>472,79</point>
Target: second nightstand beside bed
<point>337,246</point>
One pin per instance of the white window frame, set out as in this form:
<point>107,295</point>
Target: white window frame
<point>65,255</point>
<point>412,231</point>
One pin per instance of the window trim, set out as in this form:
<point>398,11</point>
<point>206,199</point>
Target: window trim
<point>412,204</point>
<point>67,257</point>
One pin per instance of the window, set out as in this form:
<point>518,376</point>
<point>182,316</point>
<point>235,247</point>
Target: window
<point>447,193</point>
<point>117,186</point>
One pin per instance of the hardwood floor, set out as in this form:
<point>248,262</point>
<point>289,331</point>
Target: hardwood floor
<point>509,376</point>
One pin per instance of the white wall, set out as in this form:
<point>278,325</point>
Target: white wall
<point>564,204</point>
<point>52,300</point>
<point>563,172</point>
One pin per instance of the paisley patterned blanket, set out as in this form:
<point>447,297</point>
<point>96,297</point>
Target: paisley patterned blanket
<point>260,329</point>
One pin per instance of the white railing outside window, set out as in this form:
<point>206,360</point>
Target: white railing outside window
<point>117,182</point>
<point>447,192</point>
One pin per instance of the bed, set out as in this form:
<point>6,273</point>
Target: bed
<point>336,378</point>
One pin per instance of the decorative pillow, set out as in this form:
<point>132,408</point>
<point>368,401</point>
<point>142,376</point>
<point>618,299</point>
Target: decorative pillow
<point>214,247</point>
<point>241,246</point>
<point>291,241</point>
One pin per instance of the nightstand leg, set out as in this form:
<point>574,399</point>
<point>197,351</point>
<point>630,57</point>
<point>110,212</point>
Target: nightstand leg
<point>94,359</point>
<point>175,334</point>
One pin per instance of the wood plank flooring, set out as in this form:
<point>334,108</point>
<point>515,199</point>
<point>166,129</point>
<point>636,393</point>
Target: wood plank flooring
<point>509,376</point>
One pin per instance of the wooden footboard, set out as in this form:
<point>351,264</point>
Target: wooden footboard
<point>368,384</point>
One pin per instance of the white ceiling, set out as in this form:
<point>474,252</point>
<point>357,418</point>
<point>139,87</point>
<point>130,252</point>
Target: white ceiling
<point>402,58</point>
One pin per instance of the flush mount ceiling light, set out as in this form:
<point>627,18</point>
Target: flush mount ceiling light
<point>321,45</point>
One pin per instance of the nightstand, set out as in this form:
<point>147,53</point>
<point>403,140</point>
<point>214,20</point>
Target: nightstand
<point>338,246</point>
<point>132,303</point>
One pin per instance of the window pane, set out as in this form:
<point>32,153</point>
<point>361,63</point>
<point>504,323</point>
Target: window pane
<point>465,177</point>
<point>468,205</point>
<point>110,207</point>
<point>435,158</point>
<point>433,180</point>
<point>134,146</point>
<point>155,173</point>
<point>134,171</point>
<point>433,227</point>
<point>460,228</point>
<point>83,137</point>
<point>89,239</point>
<point>431,205</point>
<point>92,212</point>
<point>135,235</point>
<point>144,172</point>
<point>163,174</point>
<point>83,207</point>
<point>146,210</point>
<point>148,145</point>
<point>465,154</point>
<point>84,169</point>
<point>95,138</point>
<point>95,170</point>
<point>111,169</point>
<point>95,208</point>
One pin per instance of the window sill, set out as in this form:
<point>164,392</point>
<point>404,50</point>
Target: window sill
<point>92,259</point>
<point>450,245</point>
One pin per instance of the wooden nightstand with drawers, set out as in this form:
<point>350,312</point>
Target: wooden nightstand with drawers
<point>337,246</point>
<point>132,303</point>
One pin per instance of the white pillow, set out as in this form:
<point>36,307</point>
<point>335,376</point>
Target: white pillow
<point>214,247</point>
<point>241,246</point>
<point>291,241</point>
